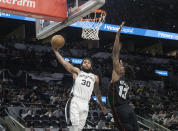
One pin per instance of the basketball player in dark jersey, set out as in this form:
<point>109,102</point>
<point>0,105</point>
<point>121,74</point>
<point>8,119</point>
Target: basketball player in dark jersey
<point>122,76</point>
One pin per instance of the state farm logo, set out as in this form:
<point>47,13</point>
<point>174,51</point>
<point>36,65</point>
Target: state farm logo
<point>24,3</point>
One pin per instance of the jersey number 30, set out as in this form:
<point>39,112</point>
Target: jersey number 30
<point>123,92</point>
<point>86,83</point>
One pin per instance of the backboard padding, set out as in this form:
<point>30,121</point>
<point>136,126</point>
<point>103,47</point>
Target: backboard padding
<point>74,16</point>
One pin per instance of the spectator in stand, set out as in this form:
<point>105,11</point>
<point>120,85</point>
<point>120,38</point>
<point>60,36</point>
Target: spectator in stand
<point>174,118</point>
<point>155,116</point>
<point>30,112</point>
<point>48,113</point>
<point>166,121</point>
<point>58,112</point>
<point>101,124</point>
<point>22,113</point>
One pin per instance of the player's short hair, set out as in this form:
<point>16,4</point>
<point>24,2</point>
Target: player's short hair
<point>129,73</point>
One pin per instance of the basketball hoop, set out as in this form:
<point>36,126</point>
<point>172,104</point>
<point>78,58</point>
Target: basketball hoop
<point>92,23</point>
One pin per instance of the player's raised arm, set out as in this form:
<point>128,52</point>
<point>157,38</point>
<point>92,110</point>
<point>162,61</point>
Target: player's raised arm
<point>116,52</point>
<point>70,68</point>
<point>98,95</point>
<point>56,45</point>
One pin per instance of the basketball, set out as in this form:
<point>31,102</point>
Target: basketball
<point>57,41</point>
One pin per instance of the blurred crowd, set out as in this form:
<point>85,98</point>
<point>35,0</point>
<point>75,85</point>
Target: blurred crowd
<point>152,96</point>
<point>41,106</point>
<point>154,101</point>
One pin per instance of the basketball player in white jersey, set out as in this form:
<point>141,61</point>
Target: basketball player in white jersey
<point>77,107</point>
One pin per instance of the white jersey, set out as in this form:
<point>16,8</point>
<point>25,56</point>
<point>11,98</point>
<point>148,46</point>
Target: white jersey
<point>83,85</point>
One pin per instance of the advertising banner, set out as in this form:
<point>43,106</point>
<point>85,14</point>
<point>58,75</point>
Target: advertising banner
<point>55,10</point>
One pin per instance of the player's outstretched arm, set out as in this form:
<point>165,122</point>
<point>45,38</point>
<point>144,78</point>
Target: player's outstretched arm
<point>70,68</point>
<point>116,52</point>
<point>117,45</point>
<point>98,95</point>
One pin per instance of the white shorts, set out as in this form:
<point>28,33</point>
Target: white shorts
<point>76,112</point>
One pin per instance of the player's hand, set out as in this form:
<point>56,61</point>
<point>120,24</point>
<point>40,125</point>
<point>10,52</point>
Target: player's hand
<point>120,28</point>
<point>55,49</point>
<point>108,116</point>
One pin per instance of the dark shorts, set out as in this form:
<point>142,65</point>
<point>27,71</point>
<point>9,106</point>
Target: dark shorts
<point>125,118</point>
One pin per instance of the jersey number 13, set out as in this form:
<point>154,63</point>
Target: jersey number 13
<point>123,91</point>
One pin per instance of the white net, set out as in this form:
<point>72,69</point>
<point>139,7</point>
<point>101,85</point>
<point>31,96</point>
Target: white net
<point>91,25</point>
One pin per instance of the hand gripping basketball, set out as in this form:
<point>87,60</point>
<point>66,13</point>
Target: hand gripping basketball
<point>57,42</point>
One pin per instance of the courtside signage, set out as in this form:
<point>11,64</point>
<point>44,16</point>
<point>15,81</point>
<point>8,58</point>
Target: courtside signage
<point>55,10</point>
<point>73,60</point>
<point>161,72</point>
<point>111,28</point>
<point>18,17</point>
<point>135,31</point>
<point>23,3</point>
<point>103,98</point>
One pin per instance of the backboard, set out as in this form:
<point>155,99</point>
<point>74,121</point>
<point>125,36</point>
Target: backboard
<point>76,9</point>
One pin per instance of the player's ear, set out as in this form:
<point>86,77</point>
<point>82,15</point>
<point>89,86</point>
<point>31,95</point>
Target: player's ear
<point>121,62</point>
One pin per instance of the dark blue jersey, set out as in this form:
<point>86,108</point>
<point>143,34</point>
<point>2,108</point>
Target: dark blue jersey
<point>118,92</point>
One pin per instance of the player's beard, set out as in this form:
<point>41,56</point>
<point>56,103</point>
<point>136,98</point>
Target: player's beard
<point>86,70</point>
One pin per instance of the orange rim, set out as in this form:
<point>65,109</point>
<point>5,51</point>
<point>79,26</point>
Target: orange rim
<point>95,19</point>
